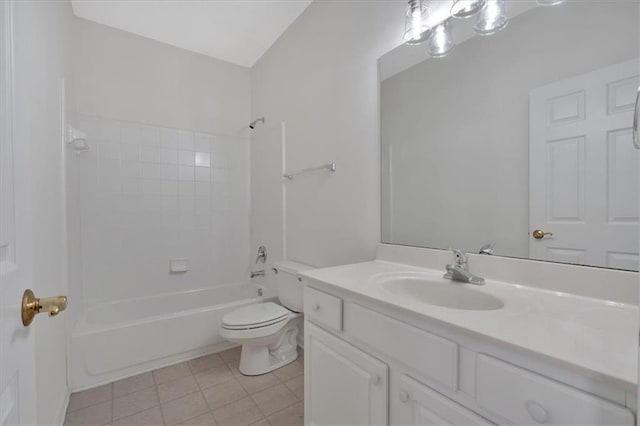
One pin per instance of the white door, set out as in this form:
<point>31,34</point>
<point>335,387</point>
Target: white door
<point>583,169</point>
<point>343,385</point>
<point>422,406</point>
<point>17,358</point>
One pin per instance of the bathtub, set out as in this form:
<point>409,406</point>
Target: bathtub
<point>123,338</point>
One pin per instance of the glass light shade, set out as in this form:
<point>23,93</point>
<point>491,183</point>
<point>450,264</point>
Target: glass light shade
<point>550,2</point>
<point>466,8</point>
<point>492,18</point>
<point>441,41</point>
<point>416,29</point>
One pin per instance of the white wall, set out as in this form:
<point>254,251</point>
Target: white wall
<point>321,78</point>
<point>41,55</point>
<point>459,126</point>
<point>151,112</point>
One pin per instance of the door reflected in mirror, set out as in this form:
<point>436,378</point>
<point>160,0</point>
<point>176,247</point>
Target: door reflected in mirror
<point>521,141</point>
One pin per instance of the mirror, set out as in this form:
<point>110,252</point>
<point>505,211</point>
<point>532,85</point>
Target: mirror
<point>521,140</point>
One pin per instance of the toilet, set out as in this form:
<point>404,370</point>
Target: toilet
<point>268,331</point>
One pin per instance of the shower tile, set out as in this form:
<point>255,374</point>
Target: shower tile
<point>186,173</point>
<point>183,409</point>
<point>186,158</point>
<point>214,376</point>
<point>151,171</point>
<point>253,384</point>
<point>89,397</point>
<point>169,156</point>
<point>169,138</point>
<point>177,388</point>
<point>202,142</point>
<point>132,384</point>
<point>130,152</point>
<point>203,159</point>
<point>292,416</point>
<point>203,420</point>
<point>170,373</point>
<point>150,417</point>
<point>202,174</point>
<point>134,403</point>
<point>185,140</point>
<point>98,414</point>
<point>223,394</point>
<point>205,362</point>
<point>243,412</point>
<point>274,399</point>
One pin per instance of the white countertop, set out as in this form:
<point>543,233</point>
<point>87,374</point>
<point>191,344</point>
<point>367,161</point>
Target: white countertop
<point>592,334</point>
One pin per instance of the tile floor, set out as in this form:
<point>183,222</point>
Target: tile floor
<point>204,391</point>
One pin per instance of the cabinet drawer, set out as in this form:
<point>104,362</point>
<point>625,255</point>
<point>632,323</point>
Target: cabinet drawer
<point>422,406</point>
<point>431,355</point>
<point>521,397</point>
<point>323,308</point>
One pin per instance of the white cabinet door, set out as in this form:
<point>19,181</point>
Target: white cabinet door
<point>343,385</point>
<point>584,170</point>
<point>422,406</point>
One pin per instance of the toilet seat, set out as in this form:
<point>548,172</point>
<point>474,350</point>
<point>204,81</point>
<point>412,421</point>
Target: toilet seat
<point>255,316</point>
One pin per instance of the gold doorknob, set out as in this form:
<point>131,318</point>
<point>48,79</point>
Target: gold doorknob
<point>31,305</point>
<point>539,234</point>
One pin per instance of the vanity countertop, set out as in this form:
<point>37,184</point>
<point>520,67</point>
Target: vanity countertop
<point>594,335</point>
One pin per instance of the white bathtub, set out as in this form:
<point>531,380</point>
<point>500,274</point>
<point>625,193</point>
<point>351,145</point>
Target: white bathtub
<point>119,339</point>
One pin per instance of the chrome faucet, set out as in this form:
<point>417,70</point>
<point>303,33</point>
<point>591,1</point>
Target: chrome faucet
<point>259,273</point>
<point>459,271</point>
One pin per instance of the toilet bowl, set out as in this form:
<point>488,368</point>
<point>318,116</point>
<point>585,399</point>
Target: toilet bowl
<point>268,331</point>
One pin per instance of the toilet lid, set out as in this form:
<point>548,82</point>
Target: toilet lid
<point>255,315</point>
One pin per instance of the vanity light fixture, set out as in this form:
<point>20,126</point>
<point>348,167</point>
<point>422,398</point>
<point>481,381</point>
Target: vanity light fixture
<point>441,41</point>
<point>491,19</point>
<point>550,2</point>
<point>416,28</point>
<point>462,9</point>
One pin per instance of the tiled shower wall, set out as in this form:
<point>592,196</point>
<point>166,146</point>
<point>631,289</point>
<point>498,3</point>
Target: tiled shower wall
<point>149,194</point>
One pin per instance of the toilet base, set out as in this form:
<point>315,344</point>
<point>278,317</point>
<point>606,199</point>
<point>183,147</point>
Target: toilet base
<point>261,359</point>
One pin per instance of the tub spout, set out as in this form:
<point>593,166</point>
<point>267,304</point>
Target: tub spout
<point>259,273</point>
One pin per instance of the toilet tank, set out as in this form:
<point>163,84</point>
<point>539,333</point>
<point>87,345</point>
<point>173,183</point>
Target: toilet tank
<point>289,286</point>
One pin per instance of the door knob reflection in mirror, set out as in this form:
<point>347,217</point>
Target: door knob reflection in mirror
<point>539,234</point>
<point>31,305</point>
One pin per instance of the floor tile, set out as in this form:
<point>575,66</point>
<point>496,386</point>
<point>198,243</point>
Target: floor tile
<point>263,422</point>
<point>223,394</point>
<point>177,388</point>
<point>183,409</point>
<point>203,420</point>
<point>296,385</point>
<point>295,369</point>
<point>231,355</point>
<point>214,376</point>
<point>89,397</point>
<point>170,373</point>
<point>150,417</point>
<point>98,414</point>
<point>239,413</point>
<point>274,399</point>
<point>253,384</point>
<point>134,403</point>
<point>132,384</point>
<point>205,362</point>
<point>292,416</point>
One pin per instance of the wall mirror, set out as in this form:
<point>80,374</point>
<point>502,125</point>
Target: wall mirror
<point>521,140</point>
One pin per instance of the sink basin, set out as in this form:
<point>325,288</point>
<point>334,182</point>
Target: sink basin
<point>440,292</point>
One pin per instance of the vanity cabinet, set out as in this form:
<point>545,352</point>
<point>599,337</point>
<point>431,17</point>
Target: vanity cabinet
<point>349,387</point>
<point>368,364</point>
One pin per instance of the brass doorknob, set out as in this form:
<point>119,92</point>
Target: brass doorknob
<point>31,305</point>
<point>539,234</point>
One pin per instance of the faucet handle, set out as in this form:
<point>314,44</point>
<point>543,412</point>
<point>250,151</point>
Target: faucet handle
<point>460,257</point>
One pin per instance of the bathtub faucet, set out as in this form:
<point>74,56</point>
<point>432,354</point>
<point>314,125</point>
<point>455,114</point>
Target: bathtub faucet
<point>259,273</point>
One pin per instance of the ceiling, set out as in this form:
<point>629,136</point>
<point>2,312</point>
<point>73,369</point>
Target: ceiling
<point>236,31</point>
